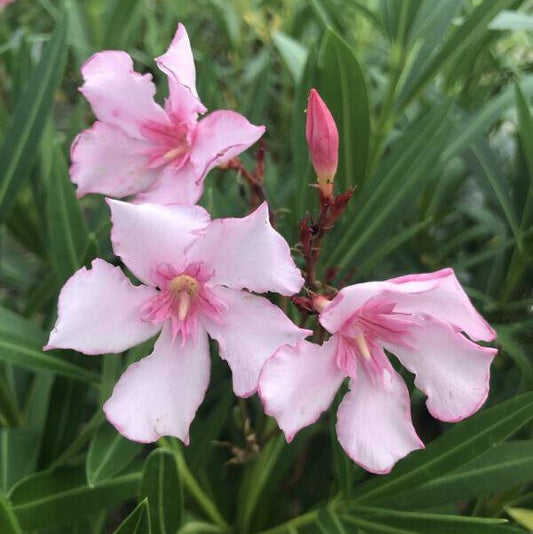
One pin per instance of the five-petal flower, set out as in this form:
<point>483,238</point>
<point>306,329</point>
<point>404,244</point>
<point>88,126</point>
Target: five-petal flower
<point>194,273</point>
<point>421,319</point>
<point>138,148</point>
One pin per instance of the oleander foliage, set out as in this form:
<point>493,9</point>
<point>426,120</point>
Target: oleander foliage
<point>433,103</point>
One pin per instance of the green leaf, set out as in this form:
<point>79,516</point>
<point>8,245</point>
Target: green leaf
<point>455,45</point>
<point>18,454</point>
<point>293,53</point>
<point>385,521</point>
<point>26,353</point>
<point>329,522</point>
<point>51,498</point>
<point>499,469</point>
<point>109,453</point>
<point>462,443</point>
<point>29,119</point>
<point>522,516</point>
<point>341,83</point>
<point>161,484</point>
<point>512,20</point>
<point>525,130</point>
<point>67,231</point>
<point>513,348</point>
<point>16,325</point>
<point>486,167</point>
<point>8,520</point>
<point>138,522</point>
<point>477,123</point>
<point>402,173</point>
<point>122,17</point>
<point>66,407</point>
<point>256,479</point>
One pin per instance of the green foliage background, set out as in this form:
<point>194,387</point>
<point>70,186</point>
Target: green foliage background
<point>433,104</point>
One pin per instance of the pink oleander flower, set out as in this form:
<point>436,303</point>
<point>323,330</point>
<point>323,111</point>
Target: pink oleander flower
<point>323,141</point>
<point>422,319</point>
<point>138,148</point>
<point>4,3</point>
<point>194,273</point>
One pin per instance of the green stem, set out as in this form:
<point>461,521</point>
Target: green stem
<point>300,521</point>
<point>197,527</point>
<point>192,485</point>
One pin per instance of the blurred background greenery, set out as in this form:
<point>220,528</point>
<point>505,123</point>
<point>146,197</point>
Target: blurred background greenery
<point>433,103</point>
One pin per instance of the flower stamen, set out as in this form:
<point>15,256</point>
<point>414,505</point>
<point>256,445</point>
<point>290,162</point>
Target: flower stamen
<point>184,288</point>
<point>363,346</point>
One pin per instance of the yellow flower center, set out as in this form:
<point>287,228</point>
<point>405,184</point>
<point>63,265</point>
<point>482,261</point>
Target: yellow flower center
<point>184,288</point>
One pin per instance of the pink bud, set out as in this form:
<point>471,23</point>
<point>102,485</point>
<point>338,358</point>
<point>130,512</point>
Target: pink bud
<point>323,140</point>
<point>320,303</point>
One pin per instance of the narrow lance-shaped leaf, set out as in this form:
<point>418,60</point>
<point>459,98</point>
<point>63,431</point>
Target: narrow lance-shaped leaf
<point>457,43</point>
<point>51,498</point>
<point>462,443</point>
<point>109,453</point>
<point>138,522</point>
<point>29,118</point>
<point>161,484</point>
<point>67,231</point>
<point>499,469</point>
<point>386,521</point>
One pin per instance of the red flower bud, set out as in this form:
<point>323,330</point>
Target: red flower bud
<point>323,140</point>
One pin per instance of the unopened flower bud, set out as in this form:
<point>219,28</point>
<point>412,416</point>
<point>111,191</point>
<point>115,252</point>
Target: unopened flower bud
<point>323,140</point>
<point>320,303</point>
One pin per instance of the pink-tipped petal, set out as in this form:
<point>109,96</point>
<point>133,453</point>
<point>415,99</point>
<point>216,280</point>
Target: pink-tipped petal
<point>221,136</point>
<point>98,312</point>
<point>349,299</point>
<point>250,331</point>
<point>174,186</point>
<point>438,294</point>
<point>298,383</point>
<point>106,160</point>
<point>147,236</point>
<point>248,253</point>
<point>178,64</point>
<point>374,421</point>
<point>119,95</point>
<point>159,395</point>
<point>451,370</point>
<point>446,301</point>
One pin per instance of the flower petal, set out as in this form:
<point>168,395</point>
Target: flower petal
<point>438,294</point>
<point>451,370</point>
<point>106,160</point>
<point>178,64</point>
<point>159,395</point>
<point>221,136</point>
<point>248,253</point>
<point>298,383</point>
<point>374,421</point>
<point>98,312</point>
<point>119,95</point>
<point>446,301</point>
<point>174,186</point>
<point>147,236</point>
<point>252,329</point>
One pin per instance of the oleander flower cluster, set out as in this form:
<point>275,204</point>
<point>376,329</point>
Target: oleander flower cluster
<point>196,278</point>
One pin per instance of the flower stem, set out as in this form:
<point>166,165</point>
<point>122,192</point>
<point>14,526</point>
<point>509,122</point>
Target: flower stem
<point>295,523</point>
